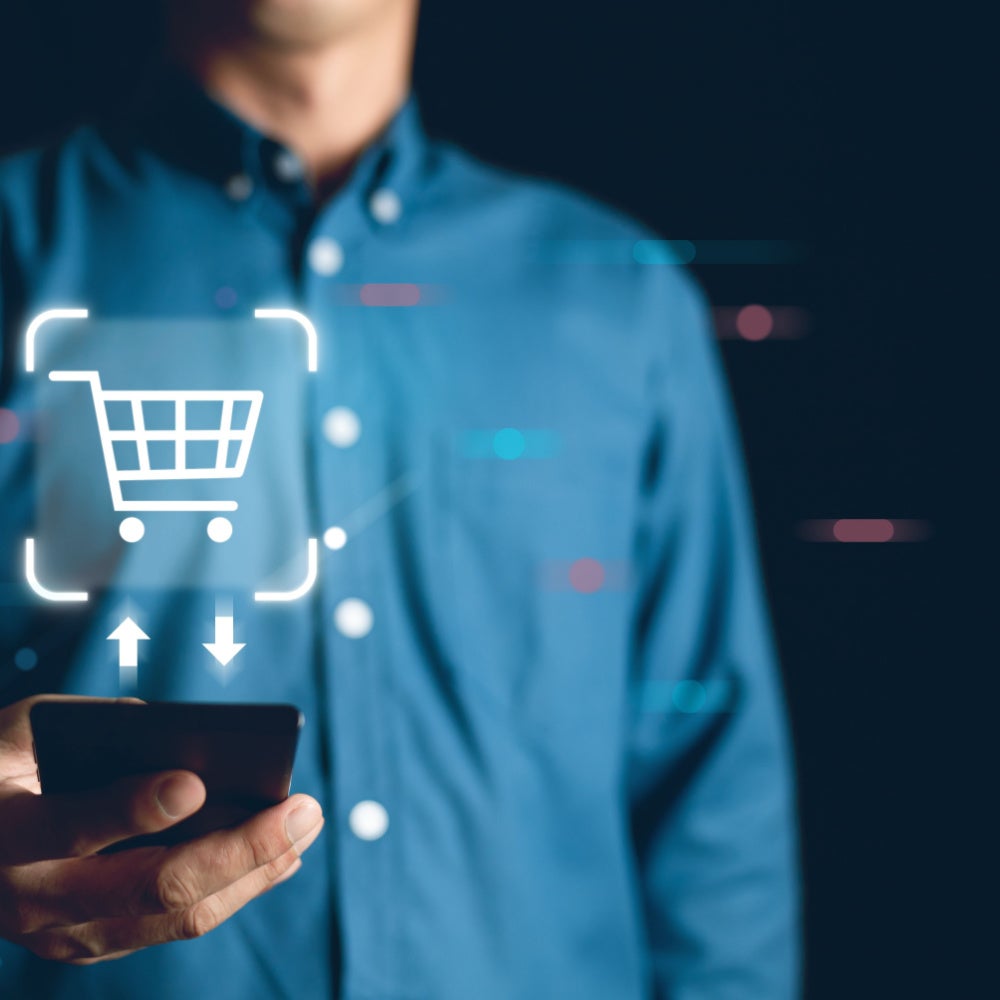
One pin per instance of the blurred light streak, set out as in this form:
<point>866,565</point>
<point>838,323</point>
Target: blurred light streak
<point>749,251</point>
<point>673,252</point>
<point>389,294</point>
<point>376,294</point>
<point>664,251</point>
<point>688,696</point>
<point>378,505</point>
<point>584,575</point>
<point>749,322</point>
<point>508,443</point>
<point>864,530</point>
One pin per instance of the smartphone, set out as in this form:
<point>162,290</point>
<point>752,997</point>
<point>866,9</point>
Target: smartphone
<point>243,753</point>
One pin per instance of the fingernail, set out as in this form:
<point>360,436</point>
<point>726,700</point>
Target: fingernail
<point>177,796</point>
<point>303,820</point>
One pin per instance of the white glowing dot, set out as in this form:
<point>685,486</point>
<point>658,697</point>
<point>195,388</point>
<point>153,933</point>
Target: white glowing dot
<point>131,529</point>
<point>353,618</point>
<point>220,529</point>
<point>342,426</point>
<point>335,537</point>
<point>326,256</point>
<point>368,820</point>
<point>385,206</point>
<point>239,187</point>
<point>287,166</point>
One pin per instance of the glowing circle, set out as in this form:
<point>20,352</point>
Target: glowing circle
<point>754,322</point>
<point>508,444</point>
<point>368,820</point>
<point>335,538</point>
<point>131,529</point>
<point>342,427</point>
<point>586,576</point>
<point>689,696</point>
<point>25,659</point>
<point>10,426</point>
<point>353,618</point>
<point>220,529</point>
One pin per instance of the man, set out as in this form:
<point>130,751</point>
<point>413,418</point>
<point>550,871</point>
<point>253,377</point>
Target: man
<point>543,716</point>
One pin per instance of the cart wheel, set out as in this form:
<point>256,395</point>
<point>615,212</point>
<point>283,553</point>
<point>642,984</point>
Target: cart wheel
<point>220,529</point>
<point>131,529</point>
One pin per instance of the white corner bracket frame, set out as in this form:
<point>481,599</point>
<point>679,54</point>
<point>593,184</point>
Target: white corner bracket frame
<point>312,570</point>
<point>312,549</point>
<point>312,340</point>
<point>46,593</point>
<point>78,596</point>
<point>37,323</point>
<point>30,570</point>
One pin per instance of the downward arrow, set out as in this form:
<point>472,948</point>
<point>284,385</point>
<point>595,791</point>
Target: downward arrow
<point>224,649</point>
<point>128,635</point>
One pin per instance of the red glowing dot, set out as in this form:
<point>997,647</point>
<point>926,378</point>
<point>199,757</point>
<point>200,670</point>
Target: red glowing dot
<point>586,576</point>
<point>10,426</point>
<point>863,529</point>
<point>754,322</point>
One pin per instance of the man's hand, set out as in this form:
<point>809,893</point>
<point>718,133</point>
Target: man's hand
<point>64,901</point>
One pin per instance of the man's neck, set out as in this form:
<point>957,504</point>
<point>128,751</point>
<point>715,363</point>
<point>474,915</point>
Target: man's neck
<point>327,103</point>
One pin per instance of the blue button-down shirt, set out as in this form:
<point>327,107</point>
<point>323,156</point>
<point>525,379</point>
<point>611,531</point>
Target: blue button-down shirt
<point>541,656</point>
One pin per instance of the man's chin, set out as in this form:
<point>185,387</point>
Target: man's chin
<point>305,24</point>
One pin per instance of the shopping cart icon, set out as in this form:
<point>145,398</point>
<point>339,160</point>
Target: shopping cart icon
<point>135,452</point>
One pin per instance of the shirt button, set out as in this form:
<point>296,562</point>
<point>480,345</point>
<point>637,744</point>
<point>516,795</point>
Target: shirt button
<point>239,187</point>
<point>368,820</point>
<point>385,206</point>
<point>342,427</point>
<point>288,167</point>
<point>353,618</point>
<point>335,538</point>
<point>326,256</point>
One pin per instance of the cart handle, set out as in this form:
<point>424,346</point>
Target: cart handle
<point>94,378</point>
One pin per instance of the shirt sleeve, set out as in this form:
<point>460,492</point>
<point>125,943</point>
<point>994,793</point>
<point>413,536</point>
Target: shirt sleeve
<point>710,775</point>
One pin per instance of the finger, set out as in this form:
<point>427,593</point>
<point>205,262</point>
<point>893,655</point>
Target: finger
<point>268,842</point>
<point>84,944</point>
<point>135,883</point>
<point>44,827</point>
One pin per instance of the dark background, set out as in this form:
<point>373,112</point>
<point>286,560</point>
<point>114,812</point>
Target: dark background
<point>752,121</point>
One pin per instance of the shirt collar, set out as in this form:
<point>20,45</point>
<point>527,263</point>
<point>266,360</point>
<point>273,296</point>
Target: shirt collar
<point>176,119</point>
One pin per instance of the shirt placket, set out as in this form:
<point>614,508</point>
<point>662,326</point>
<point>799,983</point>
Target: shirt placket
<point>344,455</point>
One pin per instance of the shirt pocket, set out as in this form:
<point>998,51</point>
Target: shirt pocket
<point>538,555</point>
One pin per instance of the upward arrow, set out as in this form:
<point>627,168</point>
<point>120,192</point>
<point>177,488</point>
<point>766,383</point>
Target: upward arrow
<point>128,635</point>
<point>223,649</point>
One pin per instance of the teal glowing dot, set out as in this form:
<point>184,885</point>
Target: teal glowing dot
<point>508,444</point>
<point>689,696</point>
<point>25,659</point>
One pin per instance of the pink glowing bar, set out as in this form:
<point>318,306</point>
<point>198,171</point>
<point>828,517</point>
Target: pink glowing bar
<point>864,530</point>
